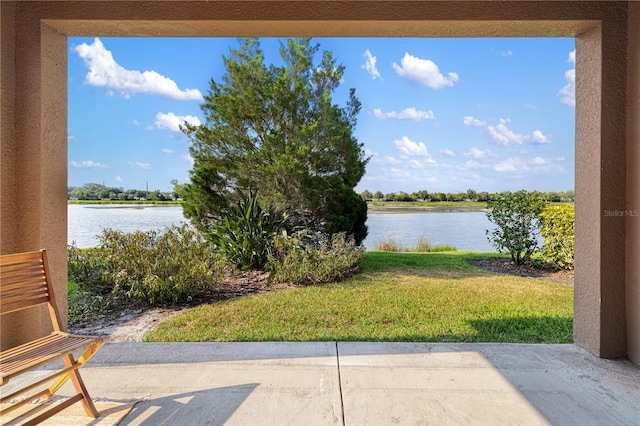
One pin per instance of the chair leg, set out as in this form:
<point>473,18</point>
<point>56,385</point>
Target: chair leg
<point>78,384</point>
<point>87,403</point>
<point>81,389</point>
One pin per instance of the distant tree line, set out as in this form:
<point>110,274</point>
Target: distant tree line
<point>469,195</point>
<point>96,191</point>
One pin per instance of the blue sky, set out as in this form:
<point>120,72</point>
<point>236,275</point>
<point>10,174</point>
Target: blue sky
<point>443,115</point>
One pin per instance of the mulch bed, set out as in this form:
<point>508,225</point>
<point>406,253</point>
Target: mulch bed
<point>546,271</point>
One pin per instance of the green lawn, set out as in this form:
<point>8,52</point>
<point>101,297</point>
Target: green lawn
<point>431,297</point>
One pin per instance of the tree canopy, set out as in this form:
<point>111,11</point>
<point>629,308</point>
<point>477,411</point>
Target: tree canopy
<point>275,131</point>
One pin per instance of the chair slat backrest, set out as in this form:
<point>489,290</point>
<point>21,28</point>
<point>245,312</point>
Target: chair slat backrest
<point>23,281</point>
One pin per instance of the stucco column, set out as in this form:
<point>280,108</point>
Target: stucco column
<point>633,184</point>
<point>599,291</point>
<point>34,157</point>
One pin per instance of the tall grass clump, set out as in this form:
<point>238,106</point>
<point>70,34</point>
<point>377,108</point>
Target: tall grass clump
<point>160,266</point>
<point>424,245</point>
<point>302,260</point>
<point>389,245</point>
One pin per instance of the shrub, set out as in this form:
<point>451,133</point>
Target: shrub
<point>159,267</point>
<point>245,236</point>
<point>299,261</point>
<point>558,232</point>
<point>87,305</point>
<point>517,217</point>
<point>86,268</point>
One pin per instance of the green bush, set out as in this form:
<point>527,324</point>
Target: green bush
<point>298,261</point>
<point>517,219</point>
<point>558,232</point>
<point>159,267</point>
<point>245,236</point>
<point>87,305</point>
<point>86,268</point>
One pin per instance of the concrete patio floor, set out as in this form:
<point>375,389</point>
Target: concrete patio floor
<point>321,383</point>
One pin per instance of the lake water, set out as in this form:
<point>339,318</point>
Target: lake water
<point>463,229</point>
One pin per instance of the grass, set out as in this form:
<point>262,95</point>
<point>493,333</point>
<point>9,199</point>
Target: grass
<point>432,297</point>
<point>423,246</point>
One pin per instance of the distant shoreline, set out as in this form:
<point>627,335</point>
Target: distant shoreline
<point>132,202</point>
<point>424,209</point>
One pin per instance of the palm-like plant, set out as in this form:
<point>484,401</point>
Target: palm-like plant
<point>246,234</point>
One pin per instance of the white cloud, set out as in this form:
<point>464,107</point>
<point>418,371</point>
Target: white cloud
<point>88,164</point>
<point>410,147</point>
<point>473,122</point>
<point>447,152</point>
<point>140,165</point>
<point>567,94</point>
<point>188,158</point>
<point>149,127</point>
<point>519,167</point>
<point>172,122</point>
<point>135,122</point>
<point>510,165</point>
<point>370,65</point>
<point>471,164</point>
<point>416,164</point>
<point>502,136</point>
<point>391,160</point>
<point>410,113</point>
<point>167,151</point>
<point>478,154</point>
<point>538,137</point>
<point>538,161</point>
<point>529,106</point>
<point>507,53</point>
<point>424,72</point>
<point>70,138</point>
<point>119,179</point>
<point>105,72</point>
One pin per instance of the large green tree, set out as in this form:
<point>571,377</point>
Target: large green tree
<point>275,131</point>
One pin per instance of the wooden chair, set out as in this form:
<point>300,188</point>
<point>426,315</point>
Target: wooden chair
<point>24,284</point>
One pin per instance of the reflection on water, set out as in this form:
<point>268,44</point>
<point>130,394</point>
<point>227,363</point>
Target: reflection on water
<point>86,221</point>
<point>463,229</point>
<point>466,230</point>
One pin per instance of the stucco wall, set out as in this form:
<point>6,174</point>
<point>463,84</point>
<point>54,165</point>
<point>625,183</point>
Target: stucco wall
<point>633,184</point>
<point>33,195</point>
<point>599,289</point>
